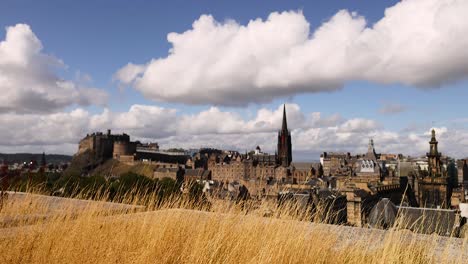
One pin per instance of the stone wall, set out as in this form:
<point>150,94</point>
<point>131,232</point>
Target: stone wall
<point>434,192</point>
<point>123,148</point>
<point>171,173</point>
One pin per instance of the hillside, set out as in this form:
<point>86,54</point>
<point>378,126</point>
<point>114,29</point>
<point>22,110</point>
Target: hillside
<point>116,168</point>
<point>26,157</point>
<point>86,163</point>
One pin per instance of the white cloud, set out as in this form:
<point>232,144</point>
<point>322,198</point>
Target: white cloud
<point>358,125</point>
<point>417,43</point>
<point>47,129</point>
<point>28,82</point>
<point>129,72</point>
<point>60,132</point>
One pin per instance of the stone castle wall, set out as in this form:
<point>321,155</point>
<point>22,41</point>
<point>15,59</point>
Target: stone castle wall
<point>123,148</point>
<point>102,145</point>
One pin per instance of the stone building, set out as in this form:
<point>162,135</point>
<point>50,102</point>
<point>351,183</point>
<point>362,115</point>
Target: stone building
<point>360,202</point>
<point>108,146</point>
<point>303,172</point>
<point>332,161</point>
<point>118,146</point>
<point>369,165</point>
<point>124,148</point>
<point>435,189</point>
<point>338,164</point>
<point>197,175</point>
<point>462,166</point>
<point>259,172</point>
<point>102,145</point>
<point>156,156</point>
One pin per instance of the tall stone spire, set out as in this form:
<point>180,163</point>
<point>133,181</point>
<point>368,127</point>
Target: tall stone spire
<point>284,127</point>
<point>284,143</point>
<point>371,151</point>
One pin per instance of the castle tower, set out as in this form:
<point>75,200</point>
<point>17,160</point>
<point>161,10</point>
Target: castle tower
<point>284,143</point>
<point>434,157</point>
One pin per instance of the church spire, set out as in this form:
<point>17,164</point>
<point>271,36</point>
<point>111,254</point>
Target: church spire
<point>285,123</point>
<point>284,143</point>
<point>371,150</point>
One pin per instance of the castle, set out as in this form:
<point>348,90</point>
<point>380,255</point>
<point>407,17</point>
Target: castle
<point>119,146</point>
<point>106,146</point>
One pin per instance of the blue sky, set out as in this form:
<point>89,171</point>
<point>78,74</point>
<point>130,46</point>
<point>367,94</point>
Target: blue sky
<point>97,38</point>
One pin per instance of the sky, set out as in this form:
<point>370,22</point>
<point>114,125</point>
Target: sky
<point>197,74</point>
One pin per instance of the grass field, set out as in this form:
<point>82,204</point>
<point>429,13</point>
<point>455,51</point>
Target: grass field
<point>174,232</point>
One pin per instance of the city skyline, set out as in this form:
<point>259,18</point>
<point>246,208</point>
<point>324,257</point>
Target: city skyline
<point>206,85</point>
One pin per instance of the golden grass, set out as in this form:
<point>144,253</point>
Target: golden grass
<point>226,233</point>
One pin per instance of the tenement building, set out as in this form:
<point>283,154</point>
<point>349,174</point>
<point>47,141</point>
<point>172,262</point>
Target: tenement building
<point>337,164</point>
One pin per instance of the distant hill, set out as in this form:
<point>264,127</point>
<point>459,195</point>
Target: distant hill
<point>26,157</point>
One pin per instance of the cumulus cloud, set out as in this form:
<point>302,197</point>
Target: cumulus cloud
<point>312,133</point>
<point>358,125</point>
<point>28,82</point>
<point>417,43</point>
<point>129,72</point>
<point>142,121</point>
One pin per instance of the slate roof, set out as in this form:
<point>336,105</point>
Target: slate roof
<point>428,220</point>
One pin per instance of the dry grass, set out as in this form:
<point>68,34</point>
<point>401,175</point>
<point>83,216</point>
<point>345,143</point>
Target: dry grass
<point>226,233</point>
